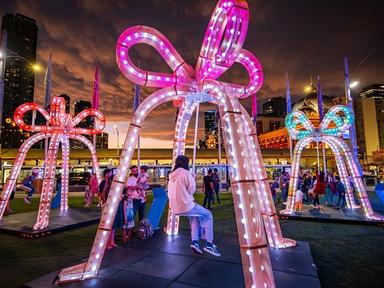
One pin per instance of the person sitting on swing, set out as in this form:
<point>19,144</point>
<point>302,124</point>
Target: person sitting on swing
<point>181,187</point>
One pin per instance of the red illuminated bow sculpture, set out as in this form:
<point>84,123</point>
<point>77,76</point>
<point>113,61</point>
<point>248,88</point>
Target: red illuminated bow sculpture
<point>57,120</point>
<point>60,127</point>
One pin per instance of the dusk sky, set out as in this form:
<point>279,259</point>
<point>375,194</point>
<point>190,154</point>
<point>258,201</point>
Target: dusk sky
<point>286,36</point>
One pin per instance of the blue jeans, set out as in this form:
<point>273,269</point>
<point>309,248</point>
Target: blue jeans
<point>328,196</point>
<point>217,192</point>
<point>201,222</point>
<point>138,205</point>
<point>284,193</point>
<point>341,201</point>
<point>208,199</point>
<point>30,193</point>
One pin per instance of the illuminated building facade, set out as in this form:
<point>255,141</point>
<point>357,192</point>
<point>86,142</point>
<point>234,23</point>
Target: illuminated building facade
<point>102,141</point>
<point>67,102</point>
<point>79,107</point>
<point>211,131</point>
<point>369,110</point>
<point>19,77</point>
<point>276,137</point>
<point>85,123</point>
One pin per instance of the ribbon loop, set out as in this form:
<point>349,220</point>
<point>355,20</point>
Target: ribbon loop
<point>58,120</point>
<point>337,120</point>
<point>221,48</point>
<point>298,125</point>
<point>24,108</point>
<point>146,35</point>
<point>223,39</point>
<point>255,72</point>
<point>98,122</point>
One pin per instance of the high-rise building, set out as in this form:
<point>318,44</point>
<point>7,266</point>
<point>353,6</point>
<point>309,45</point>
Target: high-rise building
<point>19,77</point>
<point>79,107</point>
<point>369,114</point>
<point>275,107</point>
<point>102,141</point>
<point>210,122</point>
<point>85,123</point>
<point>211,129</point>
<point>67,103</point>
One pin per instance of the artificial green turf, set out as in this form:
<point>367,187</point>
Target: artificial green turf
<point>346,255</point>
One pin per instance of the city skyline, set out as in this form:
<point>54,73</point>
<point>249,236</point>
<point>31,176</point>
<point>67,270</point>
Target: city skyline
<point>286,38</point>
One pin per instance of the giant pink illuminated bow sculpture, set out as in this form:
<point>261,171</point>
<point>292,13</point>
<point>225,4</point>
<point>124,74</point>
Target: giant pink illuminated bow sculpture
<point>60,128</point>
<point>337,121</point>
<point>222,47</point>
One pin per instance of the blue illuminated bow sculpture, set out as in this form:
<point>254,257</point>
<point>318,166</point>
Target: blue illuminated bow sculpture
<point>299,126</point>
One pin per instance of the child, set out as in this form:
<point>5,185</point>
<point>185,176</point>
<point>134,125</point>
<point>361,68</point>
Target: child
<point>128,219</point>
<point>28,184</point>
<point>104,187</point>
<point>299,201</point>
<point>87,194</point>
<point>142,182</point>
<point>93,189</point>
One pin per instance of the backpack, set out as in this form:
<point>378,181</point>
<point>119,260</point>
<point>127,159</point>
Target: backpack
<point>145,229</point>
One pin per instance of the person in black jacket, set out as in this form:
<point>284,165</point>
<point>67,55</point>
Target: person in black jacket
<point>208,189</point>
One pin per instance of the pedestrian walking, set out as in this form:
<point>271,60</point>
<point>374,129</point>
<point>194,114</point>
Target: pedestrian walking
<point>319,189</point>
<point>216,186</point>
<point>340,190</point>
<point>208,189</point>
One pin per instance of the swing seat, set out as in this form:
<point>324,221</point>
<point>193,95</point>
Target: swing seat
<point>157,208</point>
<point>379,189</point>
<point>24,188</point>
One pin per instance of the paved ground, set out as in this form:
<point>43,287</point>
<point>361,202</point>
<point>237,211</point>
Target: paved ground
<point>22,224</point>
<point>347,256</point>
<point>164,261</point>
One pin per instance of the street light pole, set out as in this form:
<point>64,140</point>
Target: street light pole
<point>349,102</point>
<point>118,141</point>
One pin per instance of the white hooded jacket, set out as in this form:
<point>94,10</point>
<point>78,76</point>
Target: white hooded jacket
<point>181,186</point>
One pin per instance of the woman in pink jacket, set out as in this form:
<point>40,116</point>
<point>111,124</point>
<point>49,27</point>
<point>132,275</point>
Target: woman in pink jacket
<point>93,189</point>
<point>181,186</point>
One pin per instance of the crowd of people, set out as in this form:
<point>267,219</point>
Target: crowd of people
<point>132,202</point>
<point>211,188</point>
<point>323,188</point>
<point>318,188</point>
